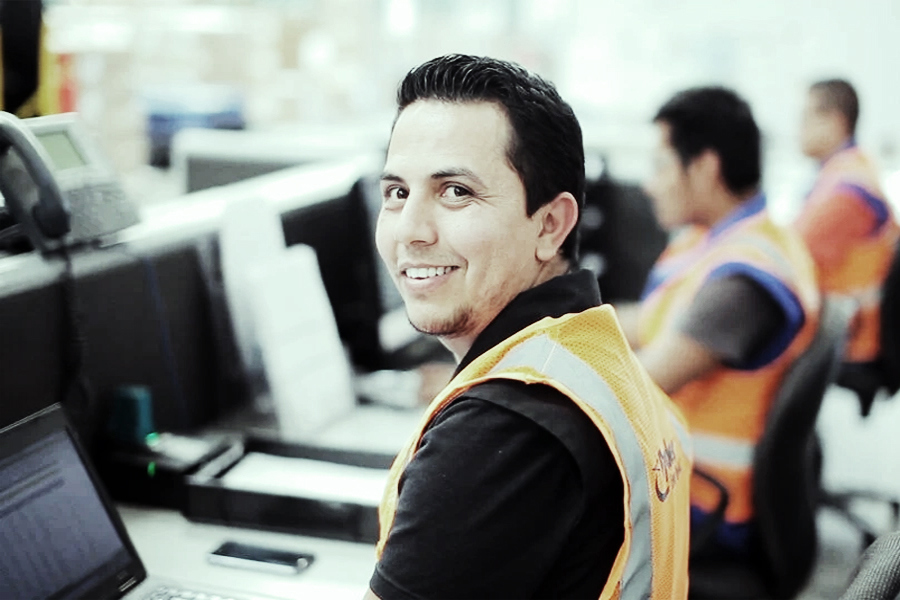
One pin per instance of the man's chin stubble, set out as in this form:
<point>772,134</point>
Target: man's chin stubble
<point>446,328</point>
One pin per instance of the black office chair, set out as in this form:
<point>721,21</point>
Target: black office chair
<point>784,481</point>
<point>867,380</point>
<point>877,576</point>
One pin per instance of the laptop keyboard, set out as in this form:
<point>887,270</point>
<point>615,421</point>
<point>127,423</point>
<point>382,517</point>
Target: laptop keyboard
<point>171,593</point>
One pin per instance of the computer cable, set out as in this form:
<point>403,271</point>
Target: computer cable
<point>165,335</point>
<point>77,395</point>
<point>10,234</point>
<point>151,276</point>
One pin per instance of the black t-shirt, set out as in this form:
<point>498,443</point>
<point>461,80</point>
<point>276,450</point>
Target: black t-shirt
<point>513,492</point>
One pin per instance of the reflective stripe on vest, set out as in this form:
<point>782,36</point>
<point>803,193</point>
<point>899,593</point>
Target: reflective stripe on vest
<point>556,362</point>
<point>722,451</point>
<point>868,297</point>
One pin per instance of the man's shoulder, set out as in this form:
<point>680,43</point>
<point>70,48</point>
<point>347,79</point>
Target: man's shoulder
<point>554,412</point>
<point>846,170</point>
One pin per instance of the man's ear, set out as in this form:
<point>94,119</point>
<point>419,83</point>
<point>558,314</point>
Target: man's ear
<point>556,220</point>
<point>706,166</point>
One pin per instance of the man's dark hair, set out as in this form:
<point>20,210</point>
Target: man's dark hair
<point>717,119</point>
<point>545,146</point>
<point>839,95</point>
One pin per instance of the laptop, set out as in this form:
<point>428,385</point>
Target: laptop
<point>61,537</point>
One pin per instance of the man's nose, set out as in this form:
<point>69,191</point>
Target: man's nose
<point>416,222</point>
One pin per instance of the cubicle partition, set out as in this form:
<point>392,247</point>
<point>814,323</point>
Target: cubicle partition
<point>151,310</point>
<point>141,320</point>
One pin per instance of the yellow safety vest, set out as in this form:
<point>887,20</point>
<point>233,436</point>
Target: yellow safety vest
<point>726,409</point>
<point>586,357</point>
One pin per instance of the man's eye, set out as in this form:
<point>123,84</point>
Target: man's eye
<point>394,194</point>
<point>457,191</point>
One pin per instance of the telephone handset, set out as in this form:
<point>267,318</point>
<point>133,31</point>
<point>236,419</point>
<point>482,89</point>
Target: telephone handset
<point>31,192</point>
<point>57,182</point>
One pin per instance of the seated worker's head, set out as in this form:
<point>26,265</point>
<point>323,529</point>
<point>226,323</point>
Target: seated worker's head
<point>829,118</point>
<point>482,188</point>
<point>707,157</point>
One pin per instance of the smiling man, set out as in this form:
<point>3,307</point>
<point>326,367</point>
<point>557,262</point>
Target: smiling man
<point>550,466</point>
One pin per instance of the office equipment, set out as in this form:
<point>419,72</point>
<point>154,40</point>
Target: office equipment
<point>205,158</point>
<point>270,484</point>
<point>784,486</point>
<point>79,198</point>
<point>309,376</point>
<point>250,236</point>
<point>338,229</point>
<point>61,536</point>
<point>620,238</point>
<point>142,465</point>
<point>262,558</point>
<point>32,194</point>
<point>155,472</point>
<point>159,327</point>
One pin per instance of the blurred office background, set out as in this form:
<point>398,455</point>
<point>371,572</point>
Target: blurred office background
<point>332,65</point>
<point>325,72</point>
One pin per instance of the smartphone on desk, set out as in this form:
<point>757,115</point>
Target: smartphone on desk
<point>260,558</point>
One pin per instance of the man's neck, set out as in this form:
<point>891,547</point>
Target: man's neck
<point>837,146</point>
<point>723,205</point>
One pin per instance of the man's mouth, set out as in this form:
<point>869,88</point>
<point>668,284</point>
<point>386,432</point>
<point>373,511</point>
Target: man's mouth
<point>426,272</point>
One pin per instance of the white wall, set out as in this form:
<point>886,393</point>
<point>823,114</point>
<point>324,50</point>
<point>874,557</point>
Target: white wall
<point>339,61</point>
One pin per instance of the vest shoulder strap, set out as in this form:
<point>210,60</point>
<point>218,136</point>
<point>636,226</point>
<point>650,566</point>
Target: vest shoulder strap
<point>555,413</point>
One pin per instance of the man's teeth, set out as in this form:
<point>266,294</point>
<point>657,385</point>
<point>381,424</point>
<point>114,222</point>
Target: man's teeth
<point>426,272</point>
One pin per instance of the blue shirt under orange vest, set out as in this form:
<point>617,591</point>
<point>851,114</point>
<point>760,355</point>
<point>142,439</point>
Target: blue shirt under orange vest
<point>851,232</point>
<point>726,409</point>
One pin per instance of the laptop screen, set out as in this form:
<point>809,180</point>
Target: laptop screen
<point>59,536</point>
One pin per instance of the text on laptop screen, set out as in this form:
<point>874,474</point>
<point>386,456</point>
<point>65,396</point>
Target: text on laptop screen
<point>56,537</point>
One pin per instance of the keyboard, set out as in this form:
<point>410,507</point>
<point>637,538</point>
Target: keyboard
<point>165,592</point>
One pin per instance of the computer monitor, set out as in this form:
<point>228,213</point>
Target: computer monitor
<point>340,230</point>
<point>620,238</point>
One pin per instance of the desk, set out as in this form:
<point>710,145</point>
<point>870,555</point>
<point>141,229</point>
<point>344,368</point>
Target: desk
<point>172,547</point>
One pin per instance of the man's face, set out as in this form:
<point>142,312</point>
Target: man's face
<point>453,229</point>
<point>671,186</point>
<point>820,128</point>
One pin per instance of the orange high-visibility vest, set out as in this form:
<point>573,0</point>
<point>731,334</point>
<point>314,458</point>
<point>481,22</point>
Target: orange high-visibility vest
<point>726,409</point>
<point>862,271</point>
<point>585,356</point>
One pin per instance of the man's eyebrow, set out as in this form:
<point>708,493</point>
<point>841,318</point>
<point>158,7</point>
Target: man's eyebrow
<point>459,172</point>
<point>445,174</point>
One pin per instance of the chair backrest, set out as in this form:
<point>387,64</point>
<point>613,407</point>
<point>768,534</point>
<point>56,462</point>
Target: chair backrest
<point>890,326</point>
<point>877,575</point>
<point>784,480</point>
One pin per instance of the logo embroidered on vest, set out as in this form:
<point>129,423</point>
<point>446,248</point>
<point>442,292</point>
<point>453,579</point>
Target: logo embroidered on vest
<point>667,470</point>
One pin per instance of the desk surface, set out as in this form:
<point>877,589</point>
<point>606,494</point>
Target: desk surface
<point>172,547</point>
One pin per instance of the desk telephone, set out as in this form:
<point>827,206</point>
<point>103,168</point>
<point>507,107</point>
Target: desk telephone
<point>57,184</point>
